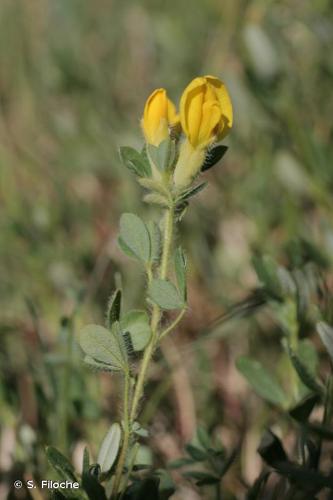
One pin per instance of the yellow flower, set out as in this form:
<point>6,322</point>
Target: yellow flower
<point>205,111</point>
<point>159,114</point>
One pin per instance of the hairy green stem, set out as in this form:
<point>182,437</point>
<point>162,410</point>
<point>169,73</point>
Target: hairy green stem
<point>156,313</point>
<point>168,235</point>
<point>65,386</point>
<point>149,351</point>
<point>173,324</point>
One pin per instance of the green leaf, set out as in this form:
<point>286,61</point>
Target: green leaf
<point>180,462</point>
<point>126,250</point>
<point>165,294</point>
<point>188,193</point>
<point>135,161</point>
<point>114,307</point>
<point>304,373</point>
<point>166,486</point>
<point>136,323</point>
<point>155,186</point>
<point>308,354</point>
<point>109,448</point>
<point>320,430</point>
<point>305,478</point>
<point>261,380</point>
<point>135,235</point>
<point>325,332</point>
<point>163,155</point>
<point>85,460</point>
<point>196,453</point>
<point>204,438</point>
<point>147,489</point>
<point>303,409</point>
<point>267,272</point>
<point>180,269</point>
<point>155,240</point>
<point>61,464</point>
<point>140,431</point>
<point>97,365</point>
<point>213,156</point>
<point>271,449</point>
<point>181,210</point>
<point>156,199</point>
<point>104,347</point>
<point>90,483</point>
<point>201,477</point>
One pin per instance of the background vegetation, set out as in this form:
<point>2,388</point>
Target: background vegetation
<point>74,76</point>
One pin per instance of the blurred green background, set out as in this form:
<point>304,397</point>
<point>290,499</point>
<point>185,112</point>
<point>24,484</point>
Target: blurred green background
<point>74,77</point>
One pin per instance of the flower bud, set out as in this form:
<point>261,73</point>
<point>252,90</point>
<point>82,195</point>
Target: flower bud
<point>159,115</point>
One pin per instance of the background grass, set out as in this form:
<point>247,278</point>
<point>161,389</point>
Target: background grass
<point>74,76</point>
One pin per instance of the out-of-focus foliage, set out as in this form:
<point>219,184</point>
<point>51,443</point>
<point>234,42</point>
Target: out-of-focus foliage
<point>74,76</point>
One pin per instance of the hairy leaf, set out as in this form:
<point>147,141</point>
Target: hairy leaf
<point>135,161</point>
<point>105,347</point>
<point>180,268</point>
<point>109,448</point>
<point>114,307</point>
<point>165,294</point>
<point>163,155</point>
<point>61,464</point>
<point>135,235</point>
<point>192,191</point>
<point>155,240</point>
<point>136,323</point>
<point>213,156</point>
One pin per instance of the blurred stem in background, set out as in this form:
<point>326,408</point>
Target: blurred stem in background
<point>64,396</point>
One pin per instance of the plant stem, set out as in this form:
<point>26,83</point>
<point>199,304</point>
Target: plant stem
<point>130,416</point>
<point>65,386</point>
<point>173,324</point>
<point>168,235</point>
<point>156,313</point>
<point>127,427</point>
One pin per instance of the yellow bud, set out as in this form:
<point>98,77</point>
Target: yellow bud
<point>159,115</point>
<point>205,111</point>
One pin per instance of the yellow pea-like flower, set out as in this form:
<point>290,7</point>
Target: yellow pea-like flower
<point>159,115</point>
<point>206,117</point>
<point>205,111</point>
